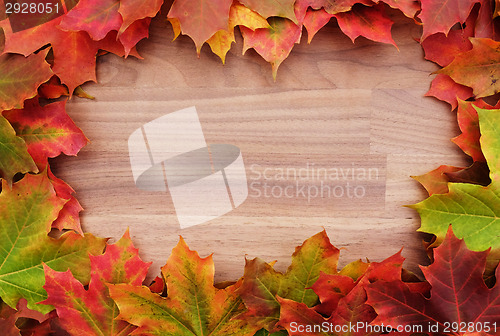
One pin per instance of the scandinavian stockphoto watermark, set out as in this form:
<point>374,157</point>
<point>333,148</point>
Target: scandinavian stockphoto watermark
<point>310,181</point>
<point>368,328</point>
<point>204,181</point>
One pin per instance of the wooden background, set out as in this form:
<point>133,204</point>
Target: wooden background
<point>334,103</point>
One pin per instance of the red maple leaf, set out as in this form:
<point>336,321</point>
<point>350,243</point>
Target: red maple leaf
<point>459,295</point>
<point>92,311</point>
<point>370,22</point>
<point>439,16</point>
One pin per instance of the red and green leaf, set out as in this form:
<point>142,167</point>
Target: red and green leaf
<point>274,44</point>
<point>14,153</point>
<point>92,311</point>
<point>48,131</point>
<point>26,214</point>
<point>20,78</point>
<point>468,121</point>
<point>69,216</point>
<point>477,68</point>
<point>458,292</point>
<point>343,300</point>
<point>193,306</point>
<point>262,284</point>
<point>470,208</point>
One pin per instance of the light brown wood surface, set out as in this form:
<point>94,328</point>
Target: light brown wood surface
<point>334,104</point>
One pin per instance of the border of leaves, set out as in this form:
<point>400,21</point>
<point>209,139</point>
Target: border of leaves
<point>452,84</point>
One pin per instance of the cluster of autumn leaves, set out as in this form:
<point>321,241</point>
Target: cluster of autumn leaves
<point>50,286</point>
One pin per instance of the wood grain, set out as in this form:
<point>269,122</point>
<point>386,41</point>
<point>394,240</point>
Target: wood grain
<point>334,104</point>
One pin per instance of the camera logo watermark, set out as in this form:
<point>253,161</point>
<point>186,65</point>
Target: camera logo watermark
<point>204,181</point>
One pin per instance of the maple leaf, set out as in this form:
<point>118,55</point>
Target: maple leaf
<point>239,15</point>
<point>221,42</point>
<point>113,43</point>
<point>274,44</point>
<point>68,218</point>
<point>137,10</point>
<point>97,18</point>
<point>314,20</point>
<point>20,78</point>
<point>444,88</point>
<point>458,293</point>
<point>157,285</point>
<point>8,319</point>
<point>74,52</point>
<point>485,27</point>
<point>135,32</point>
<point>268,8</point>
<point>176,27</point>
<point>343,301</point>
<point>27,41</point>
<point>23,321</point>
<point>262,284</point>
<point>14,153</point>
<point>52,89</point>
<point>78,51</point>
<point>48,131</point>
<point>200,19</point>
<point>193,306</point>
<point>300,320</point>
<point>331,288</point>
<point>26,214</point>
<point>407,7</point>
<point>370,22</point>
<point>477,173</point>
<point>436,181</point>
<point>442,49</point>
<point>471,209</point>
<point>468,122</point>
<point>92,311</point>
<point>330,6</point>
<point>438,16</point>
<point>477,68</point>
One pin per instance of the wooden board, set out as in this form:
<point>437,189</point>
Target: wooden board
<point>334,105</point>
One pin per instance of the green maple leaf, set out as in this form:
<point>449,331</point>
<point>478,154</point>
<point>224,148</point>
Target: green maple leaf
<point>26,214</point>
<point>20,78</point>
<point>472,210</point>
<point>14,153</point>
<point>194,307</point>
<point>92,312</point>
<point>262,284</point>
